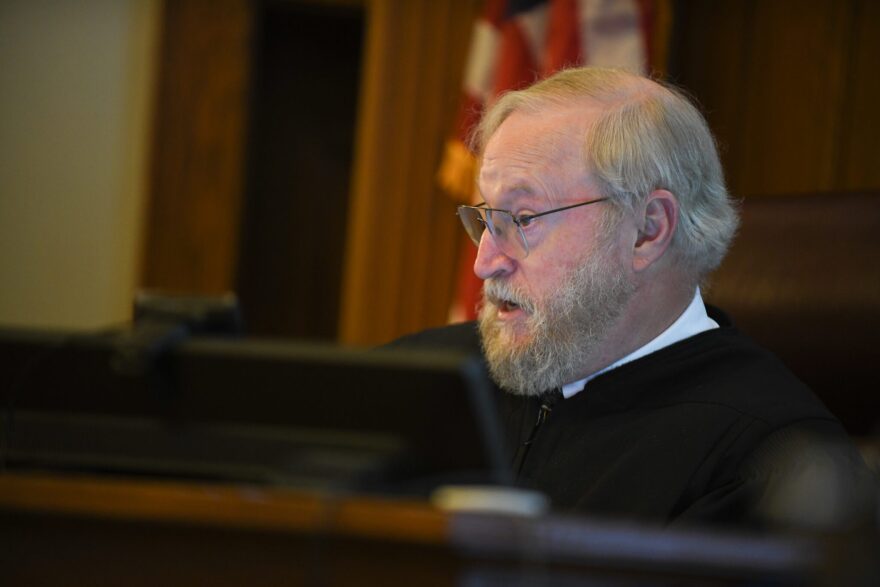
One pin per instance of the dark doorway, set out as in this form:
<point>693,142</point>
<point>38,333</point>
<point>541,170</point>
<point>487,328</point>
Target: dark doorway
<point>306,59</point>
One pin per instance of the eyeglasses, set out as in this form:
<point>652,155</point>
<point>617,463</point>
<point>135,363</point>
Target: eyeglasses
<point>505,228</point>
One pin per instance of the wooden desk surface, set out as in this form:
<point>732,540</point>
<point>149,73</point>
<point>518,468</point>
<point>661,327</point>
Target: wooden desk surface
<point>88,530</point>
<point>244,507</point>
<point>79,530</point>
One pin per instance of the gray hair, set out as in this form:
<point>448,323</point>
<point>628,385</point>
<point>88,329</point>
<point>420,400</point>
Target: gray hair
<point>648,136</point>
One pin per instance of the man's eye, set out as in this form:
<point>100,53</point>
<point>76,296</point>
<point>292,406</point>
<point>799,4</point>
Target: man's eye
<point>524,220</point>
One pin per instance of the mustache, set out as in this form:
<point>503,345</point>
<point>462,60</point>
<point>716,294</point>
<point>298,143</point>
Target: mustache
<point>498,292</point>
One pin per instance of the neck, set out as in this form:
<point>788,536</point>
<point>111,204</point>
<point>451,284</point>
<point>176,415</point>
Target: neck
<point>653,307</point>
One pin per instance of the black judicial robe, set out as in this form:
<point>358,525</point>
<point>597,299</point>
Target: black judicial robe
<point>712,429</point>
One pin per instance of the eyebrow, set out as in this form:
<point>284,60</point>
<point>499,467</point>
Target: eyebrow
<point>512,194</point>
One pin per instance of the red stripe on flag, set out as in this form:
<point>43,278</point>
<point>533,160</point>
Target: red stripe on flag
<point>647,16</point>
<point>469,113</point>
<point>563,47</point>
<point>516,64</point>
<point>493,12</point>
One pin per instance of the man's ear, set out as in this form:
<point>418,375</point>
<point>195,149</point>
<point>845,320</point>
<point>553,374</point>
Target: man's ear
<point>656,228</point>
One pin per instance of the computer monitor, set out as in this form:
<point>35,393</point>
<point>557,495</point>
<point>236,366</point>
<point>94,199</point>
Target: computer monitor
<point>250,410</point>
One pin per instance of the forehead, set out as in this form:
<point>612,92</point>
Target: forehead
<point>536,153</point>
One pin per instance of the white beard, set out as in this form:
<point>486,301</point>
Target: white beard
<point>559,334</point>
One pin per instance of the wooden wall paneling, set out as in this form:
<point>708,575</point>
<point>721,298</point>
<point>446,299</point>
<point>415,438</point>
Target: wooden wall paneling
<point>366,221</point>
<point>859,161</point>
<point>196,169</point>
<point>413,254</point>
<point>789,88</point>
<point>402,234</point>
<point>403,132</point>
<point>710,58</point>
<point>794,95</point>
<point>431,258</point>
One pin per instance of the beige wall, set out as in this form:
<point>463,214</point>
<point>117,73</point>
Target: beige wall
<point>76,84</point>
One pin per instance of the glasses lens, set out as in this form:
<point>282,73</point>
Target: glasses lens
<point>474,224</point>
<point>508,236</point>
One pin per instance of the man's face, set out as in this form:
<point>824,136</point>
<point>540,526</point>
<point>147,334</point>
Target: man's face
<point>544,316</point>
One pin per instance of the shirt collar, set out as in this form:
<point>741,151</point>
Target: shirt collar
<point>693,320</point>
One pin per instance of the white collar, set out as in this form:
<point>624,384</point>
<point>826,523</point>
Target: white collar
<point>693,320</point>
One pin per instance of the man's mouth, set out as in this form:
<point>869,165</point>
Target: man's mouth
<point>506,302</point>
<point>508,308</point>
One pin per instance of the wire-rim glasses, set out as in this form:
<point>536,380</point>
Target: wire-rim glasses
<point>505,227</point>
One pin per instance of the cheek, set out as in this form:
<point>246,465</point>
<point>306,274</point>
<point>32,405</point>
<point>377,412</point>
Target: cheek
<point>541,279</point>
<point>562,251</point>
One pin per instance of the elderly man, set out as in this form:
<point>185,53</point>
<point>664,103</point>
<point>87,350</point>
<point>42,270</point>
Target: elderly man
<point>605,207</point>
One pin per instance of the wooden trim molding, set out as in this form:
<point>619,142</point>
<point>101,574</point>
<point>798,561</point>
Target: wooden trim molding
<point>403,233</point>
<point>197,165</point>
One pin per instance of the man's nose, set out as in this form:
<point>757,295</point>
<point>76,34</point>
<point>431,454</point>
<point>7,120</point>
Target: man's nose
<point>491,261</point>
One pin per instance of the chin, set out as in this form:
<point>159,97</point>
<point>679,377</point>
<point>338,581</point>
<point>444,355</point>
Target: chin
<point>508,346</point>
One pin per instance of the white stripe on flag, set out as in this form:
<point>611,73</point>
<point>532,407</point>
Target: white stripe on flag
<point>482,60</point>
<point>611,34</point>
